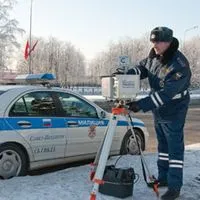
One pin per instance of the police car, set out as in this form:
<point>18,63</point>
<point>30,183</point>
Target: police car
<point>43,126</point>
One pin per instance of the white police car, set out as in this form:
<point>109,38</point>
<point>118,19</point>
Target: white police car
<point>43,126</point>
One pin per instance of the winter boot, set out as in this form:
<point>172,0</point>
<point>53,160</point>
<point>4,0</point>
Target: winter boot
<point>170,194</point>
<point>198,178</point>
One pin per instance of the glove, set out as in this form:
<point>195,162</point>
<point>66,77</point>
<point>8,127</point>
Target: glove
<point>118,71</point>
<point>133,106</point>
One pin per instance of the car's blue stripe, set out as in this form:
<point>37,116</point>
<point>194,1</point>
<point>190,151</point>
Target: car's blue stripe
<point>125,123</point>
<point>39,123</point>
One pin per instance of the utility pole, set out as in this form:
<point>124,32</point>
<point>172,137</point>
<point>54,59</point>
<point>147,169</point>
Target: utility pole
<point>30,40</point>
<point>187,30</point>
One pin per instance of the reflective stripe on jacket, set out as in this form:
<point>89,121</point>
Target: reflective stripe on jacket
<point>169,82</point>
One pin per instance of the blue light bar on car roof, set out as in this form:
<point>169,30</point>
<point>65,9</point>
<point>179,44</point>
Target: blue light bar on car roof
<point>36,77</point>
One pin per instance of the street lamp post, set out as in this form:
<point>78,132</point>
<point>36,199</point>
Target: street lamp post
<point>30,39</point>
<point>187,30</point>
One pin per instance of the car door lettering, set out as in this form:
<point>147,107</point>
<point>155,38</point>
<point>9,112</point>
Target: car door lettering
<point>91,122</point>
<point>45,149</point>
<point>46,137</point>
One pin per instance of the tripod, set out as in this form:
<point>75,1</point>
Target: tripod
<point>101,158</point>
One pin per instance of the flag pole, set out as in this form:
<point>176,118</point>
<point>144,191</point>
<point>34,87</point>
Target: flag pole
<point>30,40</point>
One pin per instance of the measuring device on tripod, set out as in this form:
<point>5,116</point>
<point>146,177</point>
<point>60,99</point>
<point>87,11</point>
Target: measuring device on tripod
<point>122,87</point>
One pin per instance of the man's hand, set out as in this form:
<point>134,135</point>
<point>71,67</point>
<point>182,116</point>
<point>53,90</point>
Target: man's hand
<point>133,106</point>
<point>118,71</point>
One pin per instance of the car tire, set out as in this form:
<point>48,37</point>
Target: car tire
<point>13,161</point>
<point>129,145</point>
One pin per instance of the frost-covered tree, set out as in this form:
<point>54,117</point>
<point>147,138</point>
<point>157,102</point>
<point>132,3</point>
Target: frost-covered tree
<point>107,62</point>
<point>57,57</point>
<point>8,32</point>
<point>192,52</point>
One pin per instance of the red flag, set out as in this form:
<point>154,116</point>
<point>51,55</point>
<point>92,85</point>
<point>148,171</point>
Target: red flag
<point>26,52</point>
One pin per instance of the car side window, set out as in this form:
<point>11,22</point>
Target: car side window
<point>76,107</point>
<point>34,104</point>
<point>19,108</point>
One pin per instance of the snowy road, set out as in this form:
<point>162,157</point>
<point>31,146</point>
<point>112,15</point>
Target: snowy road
<point>74,184</point>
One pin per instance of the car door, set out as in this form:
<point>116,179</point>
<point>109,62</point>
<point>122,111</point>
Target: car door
<point>34,117</point>
<point>85,129</point>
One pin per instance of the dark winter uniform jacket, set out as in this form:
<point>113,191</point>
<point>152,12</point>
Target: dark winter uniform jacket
<point>169,78</point>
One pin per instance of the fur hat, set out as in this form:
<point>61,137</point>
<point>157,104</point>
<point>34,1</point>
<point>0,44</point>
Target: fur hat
<point>161,34</point>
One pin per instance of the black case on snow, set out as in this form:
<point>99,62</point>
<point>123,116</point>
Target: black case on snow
<point>118,182</point>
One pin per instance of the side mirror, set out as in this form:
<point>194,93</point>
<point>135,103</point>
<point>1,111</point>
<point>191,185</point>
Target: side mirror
<point>102,114</point>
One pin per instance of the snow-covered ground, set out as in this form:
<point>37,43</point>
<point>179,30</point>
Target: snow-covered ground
<point>95,97</point>
<point>74,183</point>
<point>195,98</point>
<point>101,98</point>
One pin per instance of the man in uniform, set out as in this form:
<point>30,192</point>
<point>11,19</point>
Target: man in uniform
<point>168,72</point>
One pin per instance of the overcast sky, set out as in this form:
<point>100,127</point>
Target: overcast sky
<point>91,24</point>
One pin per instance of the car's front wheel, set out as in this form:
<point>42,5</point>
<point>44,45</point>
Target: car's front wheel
<point>13,161</point>
<point>129,145</point>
